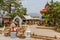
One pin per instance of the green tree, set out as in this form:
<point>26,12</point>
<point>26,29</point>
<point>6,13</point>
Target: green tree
<point>2,4</point>
<point>10,3</point>
<point>6,5</point>
<point>19,9</point>
<point>53,11</point>
<point>19,12</point>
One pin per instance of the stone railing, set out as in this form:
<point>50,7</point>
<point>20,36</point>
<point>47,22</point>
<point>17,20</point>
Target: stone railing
<point>46,27</point>
<point>43,37</point>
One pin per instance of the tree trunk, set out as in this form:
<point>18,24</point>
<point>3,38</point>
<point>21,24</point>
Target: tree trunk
<point>9,8</point>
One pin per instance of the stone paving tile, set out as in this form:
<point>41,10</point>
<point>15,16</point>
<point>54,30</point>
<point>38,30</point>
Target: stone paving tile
<point>9,38</point>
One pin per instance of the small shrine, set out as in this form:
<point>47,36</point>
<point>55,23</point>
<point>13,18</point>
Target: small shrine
<point>15,30</point>
<point>18,20</point>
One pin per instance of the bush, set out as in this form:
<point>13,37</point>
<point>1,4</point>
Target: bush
<point>0,31</point>
<point>57,29</point>
<point>1,25</point>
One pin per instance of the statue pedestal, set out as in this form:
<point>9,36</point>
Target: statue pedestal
<point>28,34</point>
<point>13,34</point>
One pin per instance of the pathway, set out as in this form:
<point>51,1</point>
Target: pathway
<point>44,32</point>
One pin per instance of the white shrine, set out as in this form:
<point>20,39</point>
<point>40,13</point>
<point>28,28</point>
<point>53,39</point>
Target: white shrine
<point>19,19</point>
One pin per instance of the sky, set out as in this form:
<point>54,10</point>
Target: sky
<point>34,6</point>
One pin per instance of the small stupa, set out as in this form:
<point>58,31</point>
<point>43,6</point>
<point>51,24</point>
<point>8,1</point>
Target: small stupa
<point>28,33</point>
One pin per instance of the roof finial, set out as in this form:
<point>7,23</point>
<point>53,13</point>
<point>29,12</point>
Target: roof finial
<point>46,4</point>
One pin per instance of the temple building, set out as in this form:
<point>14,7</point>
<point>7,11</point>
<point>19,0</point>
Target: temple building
<point>44,9</point>
<point>25,20</point>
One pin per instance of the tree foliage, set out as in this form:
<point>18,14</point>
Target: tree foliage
<point>19,12</point>
<point>53,13</point>
<point>6,5</point>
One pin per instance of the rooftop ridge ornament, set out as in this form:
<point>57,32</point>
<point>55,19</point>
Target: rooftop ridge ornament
<point>46,4</point>
<point>43,11</point>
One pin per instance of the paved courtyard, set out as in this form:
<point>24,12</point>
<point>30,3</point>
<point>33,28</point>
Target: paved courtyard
<point>43,32</point>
